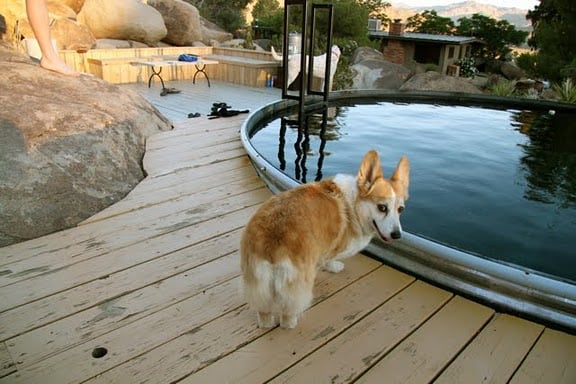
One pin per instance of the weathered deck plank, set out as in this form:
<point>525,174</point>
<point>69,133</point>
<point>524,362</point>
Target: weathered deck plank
<point>196,350</point>
<point>353,352</point>
<point>495,354</point>
<point>114,313</point>
<point>552,360</point>
<point>423,355</point>
<point>7,365</point>
<point>134,339</point>
<point>262,359</point>
<point>136,247</point>
<point>86,297</point>
<point>171,188</point>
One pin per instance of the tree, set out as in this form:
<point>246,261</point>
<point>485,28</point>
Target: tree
<point>554,37</point>
<point>497,34</point>
<point>430,22</point>
<point>350,20</point>
<point>376,9</point>
<point>225,13</point>
<point>264,9</point>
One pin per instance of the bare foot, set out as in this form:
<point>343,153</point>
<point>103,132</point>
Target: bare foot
<point>58,66</point>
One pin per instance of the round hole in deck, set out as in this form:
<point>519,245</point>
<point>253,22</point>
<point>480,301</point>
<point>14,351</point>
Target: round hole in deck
<point>99,352</point>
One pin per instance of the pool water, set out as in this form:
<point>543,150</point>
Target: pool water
<point>500,184</point>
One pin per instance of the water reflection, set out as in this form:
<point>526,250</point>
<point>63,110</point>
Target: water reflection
<point>313,124</point>
<point>549,163</point>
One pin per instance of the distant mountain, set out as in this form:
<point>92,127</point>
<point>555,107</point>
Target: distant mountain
<point>514,16</point>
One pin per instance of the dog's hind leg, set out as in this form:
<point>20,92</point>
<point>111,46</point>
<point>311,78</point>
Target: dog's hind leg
<point>289,321</point>
<point>292,310</point>
<point>296,299</point>
<point>260,294</point>
<point>266,320</point>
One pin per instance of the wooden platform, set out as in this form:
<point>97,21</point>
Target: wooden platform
<point>240,66</point>
<point>199,98</point>
<point>147,291</point>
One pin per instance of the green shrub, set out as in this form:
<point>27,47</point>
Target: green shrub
<point>503,88</point>
<point>566,90</point>
<point>467,67</point>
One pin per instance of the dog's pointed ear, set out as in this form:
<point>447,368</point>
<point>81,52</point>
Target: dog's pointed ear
<point>370,170</point>
<point>401,176</point>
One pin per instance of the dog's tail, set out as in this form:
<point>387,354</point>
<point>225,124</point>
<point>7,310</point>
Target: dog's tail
<point>284,274</point>
<point>271,285</point>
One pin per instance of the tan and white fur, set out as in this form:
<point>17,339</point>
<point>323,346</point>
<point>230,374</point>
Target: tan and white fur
<point>312,226</point>
<point>319,67</point>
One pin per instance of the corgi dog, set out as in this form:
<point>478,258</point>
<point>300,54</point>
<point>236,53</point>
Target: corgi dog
<point>313,226</point>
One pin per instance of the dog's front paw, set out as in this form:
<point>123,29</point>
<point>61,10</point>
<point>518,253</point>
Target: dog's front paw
<point>334,266</point>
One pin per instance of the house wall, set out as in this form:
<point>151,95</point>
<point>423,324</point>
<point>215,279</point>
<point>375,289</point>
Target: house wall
<point>394,52</point>
<point>404,52</point>
<point>451,54</point>
<point>443,63</point>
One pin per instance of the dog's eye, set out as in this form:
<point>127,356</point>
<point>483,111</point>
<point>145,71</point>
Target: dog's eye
<point>400,209</point>
<point>383,208</point>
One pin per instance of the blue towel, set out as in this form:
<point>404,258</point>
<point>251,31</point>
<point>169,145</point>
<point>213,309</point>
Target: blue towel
<point>187,57</point>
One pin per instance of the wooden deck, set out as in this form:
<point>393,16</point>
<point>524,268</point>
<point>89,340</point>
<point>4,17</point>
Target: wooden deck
<point>147,291</point>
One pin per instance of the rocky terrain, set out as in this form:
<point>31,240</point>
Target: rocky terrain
<point>92,24</point>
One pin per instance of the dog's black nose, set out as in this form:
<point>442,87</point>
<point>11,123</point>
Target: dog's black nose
<point>396,235</point>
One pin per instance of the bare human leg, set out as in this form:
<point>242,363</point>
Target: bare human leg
<point>38,17</point>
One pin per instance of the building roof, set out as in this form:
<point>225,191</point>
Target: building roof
<point>424,37</point>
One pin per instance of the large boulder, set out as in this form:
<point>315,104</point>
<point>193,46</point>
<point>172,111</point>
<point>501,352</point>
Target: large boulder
<point>69,34</point>
<point>212,34</point>
<point>64,29</point>
<point>182,21</point>
<point>79,24</point>
<point>506,69</point>
<point>123,20</point>
<point>69,147</point>
<point>118,44</point>
<point>511,71</point>
<point>371,71</point>
<point>17,19</point>
<point>434,81</point>
<point>361,54</point>
<point>15,11</point>
<point>76,5</point>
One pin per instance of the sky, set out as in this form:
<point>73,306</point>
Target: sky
<point>522,4</point>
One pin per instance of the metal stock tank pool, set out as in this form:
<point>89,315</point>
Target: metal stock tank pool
<point>492,209</point>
